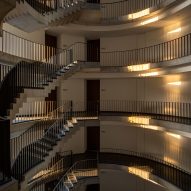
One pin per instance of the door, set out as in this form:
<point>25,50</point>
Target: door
<point>93,95</point>
<point>93,138</point>
<point>93,50</point>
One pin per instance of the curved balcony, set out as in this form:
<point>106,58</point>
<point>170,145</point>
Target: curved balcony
<point>146,167</point>
<point>130,13</point>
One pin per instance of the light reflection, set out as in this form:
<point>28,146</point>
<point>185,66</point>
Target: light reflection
<point>139,120</point>
<point>175,30</point>
<point>139,14</point>
<point>140,67</point>
<point>150,21</point>
<point>174,135</point>
<point>178,83</point>
<point>169,160</point>
<point>149,74</point>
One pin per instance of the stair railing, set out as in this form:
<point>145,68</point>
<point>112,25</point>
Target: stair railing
<point>81,169</point>
<point>55,169</point>
<point>35,110</point>
<point>35,132</point>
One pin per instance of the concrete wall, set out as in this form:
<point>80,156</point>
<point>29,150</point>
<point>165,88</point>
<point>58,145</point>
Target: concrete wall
<point>148,89</point>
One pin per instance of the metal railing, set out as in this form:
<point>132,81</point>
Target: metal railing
<point>35,110</point>
<point>81,169</point>
<point>26,49</point>
<point>38,130</point>
<point>170,50</point>
<point>176,109</point>
<point>4,70</point>
<point>116,9</point>
<point>165,51</point>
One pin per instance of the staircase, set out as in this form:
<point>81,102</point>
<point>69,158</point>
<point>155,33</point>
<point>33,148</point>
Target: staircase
<point>36,152</point>
<point>25,78</point>
<point>43,13</point>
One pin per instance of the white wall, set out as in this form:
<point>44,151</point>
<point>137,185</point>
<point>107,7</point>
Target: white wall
<point>120,135</point>
<point>148,89</point>
<point>72,90</point>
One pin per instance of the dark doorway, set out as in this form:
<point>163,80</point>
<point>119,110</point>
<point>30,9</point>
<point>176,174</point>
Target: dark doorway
<point>93,138</point>
<point>52,99</point>
<point>93,50</point>
<point>51,45</point>
<point>93,187</point>
<point>93,95</point>
<point>93,1</point>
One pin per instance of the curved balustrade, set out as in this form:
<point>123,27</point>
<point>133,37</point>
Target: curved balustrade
<point>116,9</point>
<point>166,51</point>
<point>155,108</point>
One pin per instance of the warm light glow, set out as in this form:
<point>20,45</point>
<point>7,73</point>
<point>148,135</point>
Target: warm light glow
<point>175,30</point>
<point>140,120</point>
<point>178,83</point>
<point>139,172</point>
<point>139,14</point>
<point>139,67</point>
<point>152,127</point>
<point>169,160</point>
<point>174,135</point>
<point>149,74</point>
<point>150,21</point>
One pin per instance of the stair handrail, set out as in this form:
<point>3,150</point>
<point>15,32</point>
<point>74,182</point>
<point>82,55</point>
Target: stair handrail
<point>54,168</point>
<point>73,167</point>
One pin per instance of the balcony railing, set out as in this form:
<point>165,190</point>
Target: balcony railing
<point>165,51</point>
<point>156,108</point>
<point>116,9</point>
